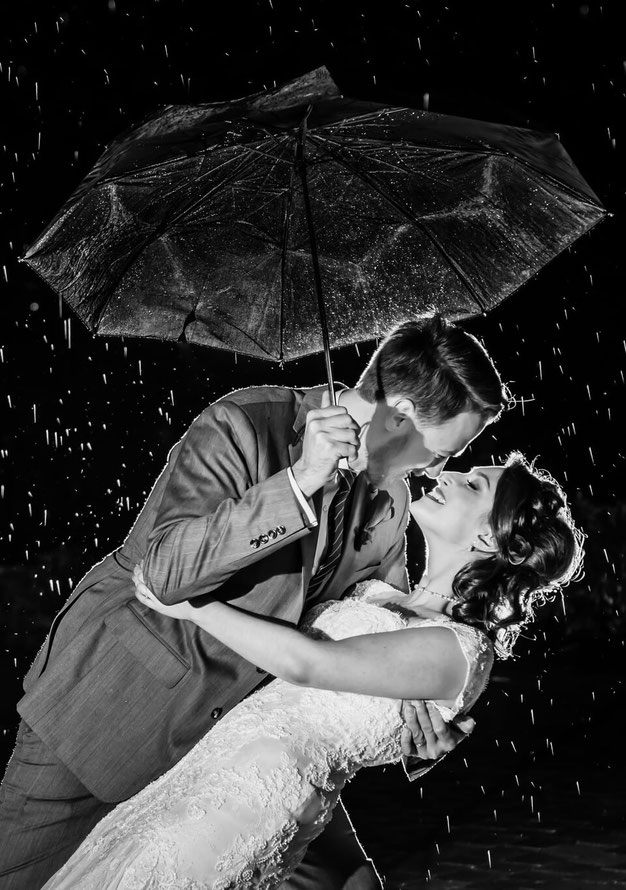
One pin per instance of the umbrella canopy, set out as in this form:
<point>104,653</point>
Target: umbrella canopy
<point>193,225</point>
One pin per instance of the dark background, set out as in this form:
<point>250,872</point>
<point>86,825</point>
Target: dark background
<point>86,424</point>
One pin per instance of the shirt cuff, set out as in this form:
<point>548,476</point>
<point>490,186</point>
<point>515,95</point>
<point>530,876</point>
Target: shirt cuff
<point>302,500</point>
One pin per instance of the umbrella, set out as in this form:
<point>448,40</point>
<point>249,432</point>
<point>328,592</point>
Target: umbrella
<point>276,224</point>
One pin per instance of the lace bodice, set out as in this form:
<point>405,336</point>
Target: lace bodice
<point>239,810</point>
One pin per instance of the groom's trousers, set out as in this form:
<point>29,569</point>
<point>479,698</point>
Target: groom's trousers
<point>45,813</point>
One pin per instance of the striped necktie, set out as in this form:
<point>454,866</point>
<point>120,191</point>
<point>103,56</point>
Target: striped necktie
<point>334,546</point>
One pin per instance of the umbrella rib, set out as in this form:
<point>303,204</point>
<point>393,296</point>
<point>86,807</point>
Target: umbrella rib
<point>420,225</point>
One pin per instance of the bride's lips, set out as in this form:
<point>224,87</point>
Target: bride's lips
<point>435,495</point>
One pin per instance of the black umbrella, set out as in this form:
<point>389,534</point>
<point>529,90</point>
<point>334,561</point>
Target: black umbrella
<point>239,224</point>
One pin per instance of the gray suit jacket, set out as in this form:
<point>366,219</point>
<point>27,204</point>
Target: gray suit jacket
<point>121,693</point>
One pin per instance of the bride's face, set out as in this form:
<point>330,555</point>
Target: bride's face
<point>457,510</point>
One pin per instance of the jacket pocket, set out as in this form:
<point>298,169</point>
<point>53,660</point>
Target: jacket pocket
<point>130,629</point>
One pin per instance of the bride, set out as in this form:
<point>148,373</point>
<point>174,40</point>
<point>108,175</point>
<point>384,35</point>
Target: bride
<point>239,810</point>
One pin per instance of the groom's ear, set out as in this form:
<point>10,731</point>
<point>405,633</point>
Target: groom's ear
<point>399,413</point>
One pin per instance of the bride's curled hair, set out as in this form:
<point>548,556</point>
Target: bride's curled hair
<point>539,550</point>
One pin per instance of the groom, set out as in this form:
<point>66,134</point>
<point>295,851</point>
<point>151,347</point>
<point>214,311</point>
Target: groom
<point>245,507</point>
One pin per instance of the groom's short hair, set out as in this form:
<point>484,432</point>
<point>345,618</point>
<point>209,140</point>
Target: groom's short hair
<point>443,369</point>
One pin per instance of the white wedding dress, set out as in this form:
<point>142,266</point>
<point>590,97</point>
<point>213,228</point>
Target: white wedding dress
<point>239,810</point>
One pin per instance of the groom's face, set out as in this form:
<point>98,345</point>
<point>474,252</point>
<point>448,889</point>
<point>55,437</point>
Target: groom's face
<point>397,443</point>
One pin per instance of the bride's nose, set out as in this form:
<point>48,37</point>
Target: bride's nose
<point>449,477</point>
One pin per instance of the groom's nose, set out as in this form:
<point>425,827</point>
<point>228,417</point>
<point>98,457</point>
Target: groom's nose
<point>434,469</point>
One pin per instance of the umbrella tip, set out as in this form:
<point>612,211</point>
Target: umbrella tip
<point>313,86</point>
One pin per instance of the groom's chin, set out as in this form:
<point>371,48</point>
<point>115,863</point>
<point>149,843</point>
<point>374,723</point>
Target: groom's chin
<point>374,473</point>
<point>381,478</point>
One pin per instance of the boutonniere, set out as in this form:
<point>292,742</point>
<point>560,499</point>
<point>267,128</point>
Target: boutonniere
<point>378,508</point>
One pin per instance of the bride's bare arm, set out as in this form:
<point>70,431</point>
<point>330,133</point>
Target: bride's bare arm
<point>414,663</point>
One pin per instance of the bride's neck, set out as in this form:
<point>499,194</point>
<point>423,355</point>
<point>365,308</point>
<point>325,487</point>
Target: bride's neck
<point>440,571</point>
<point>433,591</point>
<point>442,566</point>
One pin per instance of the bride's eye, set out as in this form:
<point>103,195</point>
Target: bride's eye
<point>472,485</point>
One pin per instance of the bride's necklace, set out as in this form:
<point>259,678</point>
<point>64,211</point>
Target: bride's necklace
<point>443,596</point>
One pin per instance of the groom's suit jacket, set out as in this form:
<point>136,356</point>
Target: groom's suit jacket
<point>119,692</point>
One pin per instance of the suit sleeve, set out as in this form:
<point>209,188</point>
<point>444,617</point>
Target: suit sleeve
<point>218,514</point>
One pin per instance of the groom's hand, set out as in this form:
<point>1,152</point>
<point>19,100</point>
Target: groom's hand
<point>426,734</point>
<point>330,435</point>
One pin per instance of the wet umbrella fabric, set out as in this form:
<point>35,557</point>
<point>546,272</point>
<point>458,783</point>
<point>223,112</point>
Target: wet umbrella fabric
<point>193,225</point>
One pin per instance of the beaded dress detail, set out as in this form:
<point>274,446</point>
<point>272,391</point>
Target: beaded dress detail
<point>239,810</point>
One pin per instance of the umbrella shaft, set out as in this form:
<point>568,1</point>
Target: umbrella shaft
<point>301,164</point>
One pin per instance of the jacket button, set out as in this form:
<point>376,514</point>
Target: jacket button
<point>281,529</point>
<point>215,713</point>
<point>264,539</point>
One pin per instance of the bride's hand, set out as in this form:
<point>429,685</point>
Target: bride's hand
<point>143,593</point>
<point>426,735</point>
